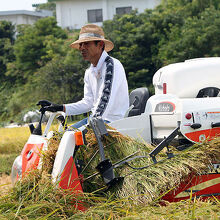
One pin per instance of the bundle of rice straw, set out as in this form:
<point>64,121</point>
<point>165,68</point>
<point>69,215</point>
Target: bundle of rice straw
<point>147,184</point>
<point>142,186</point>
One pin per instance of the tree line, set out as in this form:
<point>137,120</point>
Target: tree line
<point>39,64</point>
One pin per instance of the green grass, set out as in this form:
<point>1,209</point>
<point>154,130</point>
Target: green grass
<point>6,161</point>
<point>50,205</point>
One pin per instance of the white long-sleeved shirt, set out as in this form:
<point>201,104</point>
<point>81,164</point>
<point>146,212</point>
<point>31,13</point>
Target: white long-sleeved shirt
<point>94,83</point>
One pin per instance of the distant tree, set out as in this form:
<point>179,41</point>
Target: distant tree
<point>61,79</point>
<point>198,36</point>
<point>50,6</point>
<point>30,47</point>
<point>7,31</point>
<point>133,38</point>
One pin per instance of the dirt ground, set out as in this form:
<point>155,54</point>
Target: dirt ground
<point>5,184</point>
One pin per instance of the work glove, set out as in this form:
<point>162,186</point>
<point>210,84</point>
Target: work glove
<point>49,106</point>
<point>44,103</point>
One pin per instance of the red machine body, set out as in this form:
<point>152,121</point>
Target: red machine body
<point>204,186</point>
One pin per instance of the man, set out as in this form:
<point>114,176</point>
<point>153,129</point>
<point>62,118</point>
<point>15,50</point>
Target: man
<point>105,84</point>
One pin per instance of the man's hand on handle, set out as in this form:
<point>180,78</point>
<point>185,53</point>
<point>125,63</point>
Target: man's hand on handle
<point>49,106</point>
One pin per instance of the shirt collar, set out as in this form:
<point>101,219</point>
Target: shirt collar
<point>97,68</point>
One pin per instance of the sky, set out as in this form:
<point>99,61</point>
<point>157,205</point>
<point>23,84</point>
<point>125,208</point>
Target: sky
<point>10,5</point>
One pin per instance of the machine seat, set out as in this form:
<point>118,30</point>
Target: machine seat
<point>137,101</point>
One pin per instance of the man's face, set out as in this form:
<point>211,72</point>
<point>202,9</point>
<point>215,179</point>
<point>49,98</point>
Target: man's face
<point>91,51</point>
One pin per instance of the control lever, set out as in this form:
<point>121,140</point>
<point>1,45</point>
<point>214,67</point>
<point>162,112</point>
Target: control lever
<point>105,167</point>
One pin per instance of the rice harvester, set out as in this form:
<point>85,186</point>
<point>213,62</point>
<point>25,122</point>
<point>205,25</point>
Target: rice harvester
<point>184,110</point>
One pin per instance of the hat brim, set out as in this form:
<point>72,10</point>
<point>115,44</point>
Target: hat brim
<point>108,44</point>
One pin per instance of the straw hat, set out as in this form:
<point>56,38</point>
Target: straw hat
<point>92,32</point>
